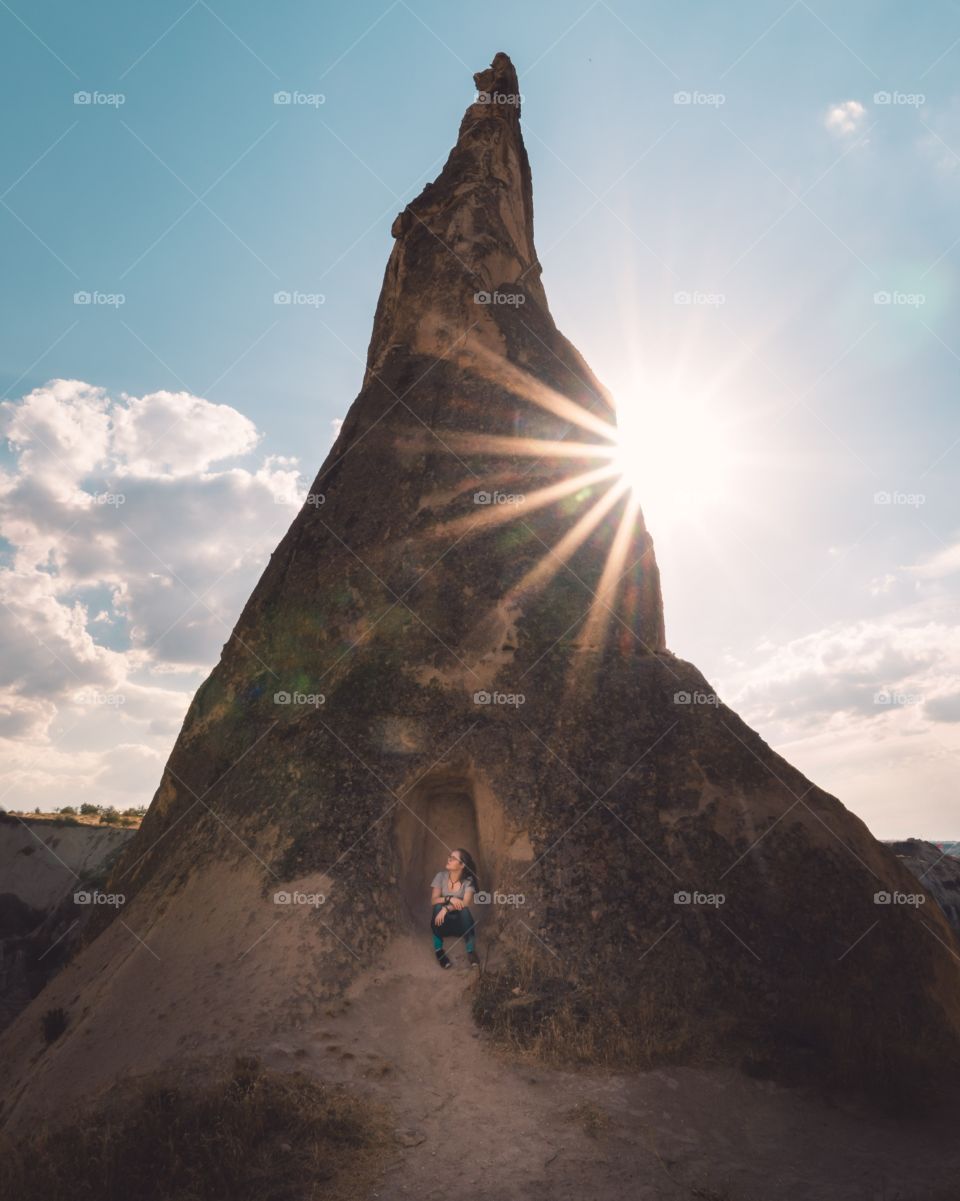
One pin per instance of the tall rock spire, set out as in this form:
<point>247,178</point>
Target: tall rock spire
<point>460,642</point>
<point>468,232</point>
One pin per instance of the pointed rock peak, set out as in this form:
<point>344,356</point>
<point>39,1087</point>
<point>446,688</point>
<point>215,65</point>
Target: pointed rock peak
<point>469,232</point>
<point>498,85</point>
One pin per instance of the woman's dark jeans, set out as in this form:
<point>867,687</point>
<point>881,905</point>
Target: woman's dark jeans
<point>458,923</point>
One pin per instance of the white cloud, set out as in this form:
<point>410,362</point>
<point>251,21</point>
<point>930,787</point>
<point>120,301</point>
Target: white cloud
<point>942,565</point>
<point>882,584</point>
<point>870,709</point>
<point>846,118</point>
<point>132,558</point>
<point>176,434</point>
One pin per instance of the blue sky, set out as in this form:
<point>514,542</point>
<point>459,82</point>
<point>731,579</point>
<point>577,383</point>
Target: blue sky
<point>814,171</point>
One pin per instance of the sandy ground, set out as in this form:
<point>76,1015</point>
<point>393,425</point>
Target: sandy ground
<point>472,1121</point>
<point>221,970</point>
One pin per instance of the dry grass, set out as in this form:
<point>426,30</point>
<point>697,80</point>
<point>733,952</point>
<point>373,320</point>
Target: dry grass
<point>249,1134</point>
<point>597,1020</point>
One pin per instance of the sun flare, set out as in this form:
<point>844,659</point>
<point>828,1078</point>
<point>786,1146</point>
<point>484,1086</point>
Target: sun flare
<point>675,453</point>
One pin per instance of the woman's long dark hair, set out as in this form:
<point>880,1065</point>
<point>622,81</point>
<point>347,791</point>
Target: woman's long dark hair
<point>469,868</point>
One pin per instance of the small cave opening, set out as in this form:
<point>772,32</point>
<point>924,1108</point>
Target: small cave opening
<point>438,815</point>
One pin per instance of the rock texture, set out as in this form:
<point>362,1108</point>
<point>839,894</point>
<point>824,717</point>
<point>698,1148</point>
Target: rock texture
<point>613,790</point>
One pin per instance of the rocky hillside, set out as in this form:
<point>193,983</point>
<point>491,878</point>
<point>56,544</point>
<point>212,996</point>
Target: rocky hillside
<point>44,867</point>
<point>936,870</point>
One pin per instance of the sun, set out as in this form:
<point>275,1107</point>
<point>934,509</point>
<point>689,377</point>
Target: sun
<point>675,452</point>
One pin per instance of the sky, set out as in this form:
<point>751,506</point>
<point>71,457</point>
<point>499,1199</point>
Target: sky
<point>748,221</point>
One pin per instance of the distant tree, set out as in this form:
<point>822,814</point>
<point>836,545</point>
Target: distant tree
<point>109,815</point>
<point>88,810</point>
<point>67,810</point>
<point>132,812</point>
<point>37,810</point>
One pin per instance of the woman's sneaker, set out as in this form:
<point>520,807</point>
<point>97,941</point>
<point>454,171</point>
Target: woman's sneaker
<point>442,959</point>
<point>474,958</point>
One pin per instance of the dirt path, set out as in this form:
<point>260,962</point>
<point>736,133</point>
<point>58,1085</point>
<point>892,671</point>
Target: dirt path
<point>473,1123</point>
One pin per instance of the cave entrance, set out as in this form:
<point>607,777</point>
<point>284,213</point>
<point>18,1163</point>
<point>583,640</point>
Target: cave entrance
<point>439,814</point>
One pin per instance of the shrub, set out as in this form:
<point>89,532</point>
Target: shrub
<point>250,1134</point>
<point>54,1022</point>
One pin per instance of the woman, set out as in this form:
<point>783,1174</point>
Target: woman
<point>451,892</point>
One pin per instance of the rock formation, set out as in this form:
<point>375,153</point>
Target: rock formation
<point>494,675</point>
<point>43,865</point>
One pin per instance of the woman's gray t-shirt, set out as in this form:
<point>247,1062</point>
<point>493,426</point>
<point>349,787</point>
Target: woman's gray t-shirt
<point>442,881</point>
